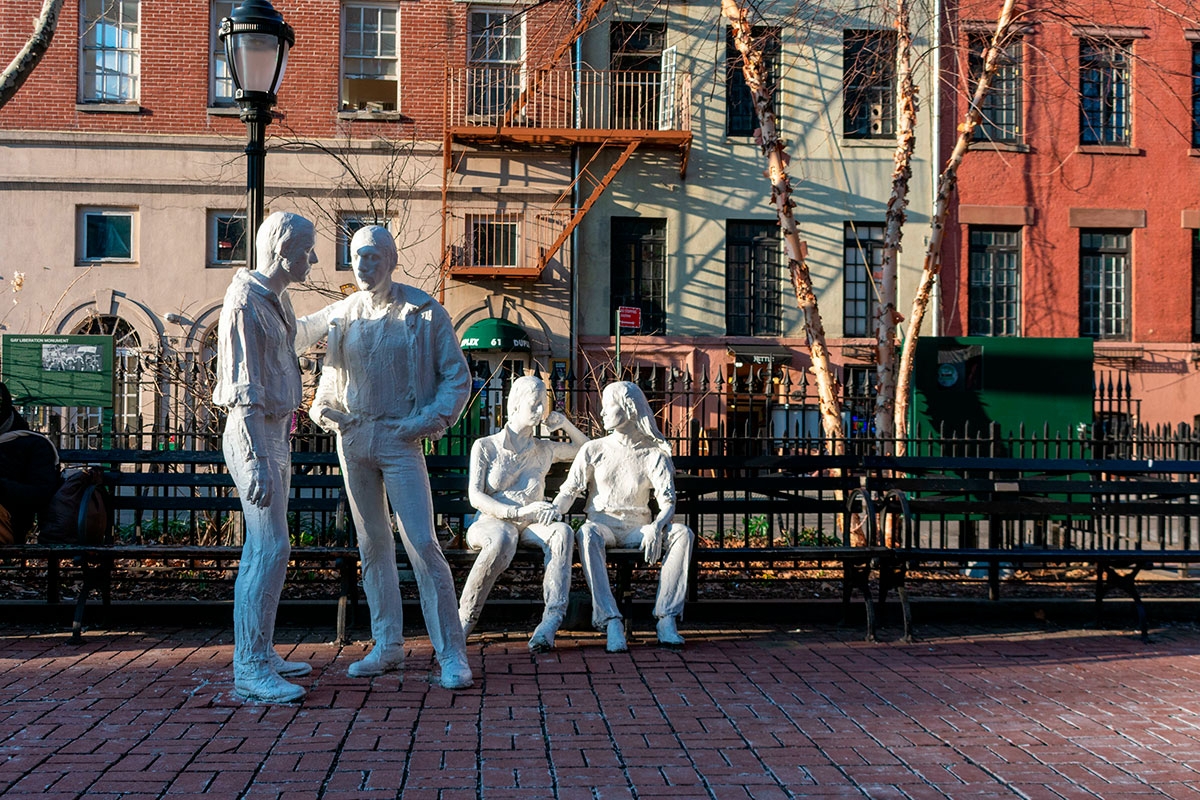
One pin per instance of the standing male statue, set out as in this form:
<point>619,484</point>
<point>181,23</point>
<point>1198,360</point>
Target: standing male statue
<point>258,381</point>
<point>394,375</point>
<point>508,488</point>
<point>620,473</point>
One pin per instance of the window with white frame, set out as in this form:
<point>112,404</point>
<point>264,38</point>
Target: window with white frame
<point>370,68</point>
<point>494,240</point>
<point>348,225</point>
<point>106,234</point>
<point>221,86</point>
<point>226,238</point>
<point>110,51</point>
<point>496,50</point>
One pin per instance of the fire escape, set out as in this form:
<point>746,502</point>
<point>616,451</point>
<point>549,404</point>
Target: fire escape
<point>493,110</point>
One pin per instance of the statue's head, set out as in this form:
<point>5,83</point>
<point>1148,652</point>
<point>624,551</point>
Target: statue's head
<point>527,398</point>
<point>624,408</point>
<point>285,242</point>
<point>373,256</point>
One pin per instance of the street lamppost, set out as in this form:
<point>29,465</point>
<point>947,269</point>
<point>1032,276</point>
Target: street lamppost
<point>256,42</point>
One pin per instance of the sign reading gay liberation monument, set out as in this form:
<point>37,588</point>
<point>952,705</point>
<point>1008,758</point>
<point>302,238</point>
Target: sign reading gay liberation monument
<point>56,370</point>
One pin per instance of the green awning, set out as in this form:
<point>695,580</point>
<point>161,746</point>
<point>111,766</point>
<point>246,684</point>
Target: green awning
<point>495,334</point>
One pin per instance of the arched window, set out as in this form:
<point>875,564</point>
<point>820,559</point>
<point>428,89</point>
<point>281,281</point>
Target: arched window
<point>127,417</point>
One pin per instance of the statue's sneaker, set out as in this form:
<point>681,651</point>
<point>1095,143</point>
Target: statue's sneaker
<point>616,637</point>
<point>456,674</point>
<point>289,669</point>
<point>668,634</point>
<point>381,659</point>
<point>265,685</point>
<point>542,640</point>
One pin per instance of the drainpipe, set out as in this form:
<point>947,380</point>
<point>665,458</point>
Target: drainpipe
<point>574,293</point>
<point>935,320</point>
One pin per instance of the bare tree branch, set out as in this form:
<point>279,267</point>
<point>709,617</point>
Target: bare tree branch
<point>22,65</point>
<point>773,147</point>
<point>946,183</point>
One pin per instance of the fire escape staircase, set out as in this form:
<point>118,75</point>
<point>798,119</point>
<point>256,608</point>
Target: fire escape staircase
<point>554,108</point>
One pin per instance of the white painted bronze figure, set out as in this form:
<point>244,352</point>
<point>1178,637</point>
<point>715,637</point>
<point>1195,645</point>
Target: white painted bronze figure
<point>258,382</point>
<point>619,473</point>
<point>393,376</point>
<point>508,488</point>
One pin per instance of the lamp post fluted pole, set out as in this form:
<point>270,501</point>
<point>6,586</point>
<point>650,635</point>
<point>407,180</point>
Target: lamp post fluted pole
<point>257,42</point>
<point>256,120</point>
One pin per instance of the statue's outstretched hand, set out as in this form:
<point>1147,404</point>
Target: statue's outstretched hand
<point>652,542</point>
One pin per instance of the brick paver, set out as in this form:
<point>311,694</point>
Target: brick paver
<point>756,712</point>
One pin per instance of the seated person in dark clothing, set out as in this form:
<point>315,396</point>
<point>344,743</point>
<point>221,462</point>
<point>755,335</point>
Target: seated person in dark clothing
<point>29,474</point>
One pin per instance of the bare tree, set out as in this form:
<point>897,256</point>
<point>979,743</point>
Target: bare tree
<point>775,151</point>
<point>887,317</point>
<point>946,183</point>
<point>23,63</point>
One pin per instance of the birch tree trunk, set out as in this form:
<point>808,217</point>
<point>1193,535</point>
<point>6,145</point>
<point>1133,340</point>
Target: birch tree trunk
<point>828,386</point>
<point>23,63</point>
<point>946,183</point>
<point>887,317</point>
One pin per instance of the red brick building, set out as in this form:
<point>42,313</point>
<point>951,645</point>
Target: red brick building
<point>1079,203</point>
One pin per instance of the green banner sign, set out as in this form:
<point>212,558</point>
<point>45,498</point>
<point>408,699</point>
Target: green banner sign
<point>52,370</point>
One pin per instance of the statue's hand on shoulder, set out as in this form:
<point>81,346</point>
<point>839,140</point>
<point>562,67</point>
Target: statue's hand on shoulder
<point>260,490</point>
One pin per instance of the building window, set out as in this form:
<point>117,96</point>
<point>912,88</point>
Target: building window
<point>752,301</point>
<point>127,411</point>
<point>638,270</point>
<point>869,84</point>
<point>497,50</point>
<point>636,58</point>
<point>1104,284</point>
<point>221,87</point>
<point>106,234</point>
<point>370,72</point>
<point>494,241</point>
<point>226,238</point>
<point>994,293</point>
<point>1001,109</point>
<point>862,261</point>
<point>110,56</point>
<point>1196,94</point>
<point>1104,92</point>
<point>348,225</point>
<point>740,117</point>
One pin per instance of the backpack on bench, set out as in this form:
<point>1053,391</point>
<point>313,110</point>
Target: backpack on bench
<point>66,520</point>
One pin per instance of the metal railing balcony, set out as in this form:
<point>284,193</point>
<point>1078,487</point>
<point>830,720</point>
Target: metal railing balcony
<point>561,100</point>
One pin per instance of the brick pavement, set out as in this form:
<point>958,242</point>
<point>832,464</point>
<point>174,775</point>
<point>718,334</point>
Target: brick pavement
<point>757,713</point>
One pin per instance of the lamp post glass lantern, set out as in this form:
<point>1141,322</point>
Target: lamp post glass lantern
<point>257,41</point>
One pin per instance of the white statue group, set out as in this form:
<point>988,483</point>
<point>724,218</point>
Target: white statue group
<point>394,376</point>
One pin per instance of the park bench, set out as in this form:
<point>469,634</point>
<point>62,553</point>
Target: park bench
<point>150,490</point>
<point>1114,517</point>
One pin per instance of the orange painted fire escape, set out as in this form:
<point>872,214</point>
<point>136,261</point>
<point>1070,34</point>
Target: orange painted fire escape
<point>492,110</point>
